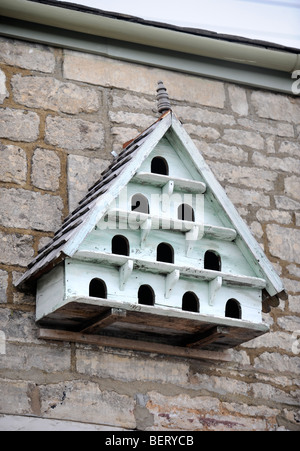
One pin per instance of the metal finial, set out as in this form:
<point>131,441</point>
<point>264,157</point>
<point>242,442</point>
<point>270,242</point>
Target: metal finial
<point>163,98</point>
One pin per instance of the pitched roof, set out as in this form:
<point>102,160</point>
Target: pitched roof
<point>59,248</point>
<point>96,203</point>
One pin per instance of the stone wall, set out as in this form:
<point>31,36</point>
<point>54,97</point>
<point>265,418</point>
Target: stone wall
<point>61,114</point>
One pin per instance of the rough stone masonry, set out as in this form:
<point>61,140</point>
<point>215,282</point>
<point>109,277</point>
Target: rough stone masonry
<point>61,114</point>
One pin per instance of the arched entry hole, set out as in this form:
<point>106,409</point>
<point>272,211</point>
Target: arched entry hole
<point>140,204</point>
<point>97,289</point>
<point>233,309</point>
<point>120,245</point>
<point>190,302</point>
<point>186,213</point>
<point>159,166</point>
<point>212,261</point>
<point>146,295</point>
<point>165,253</point>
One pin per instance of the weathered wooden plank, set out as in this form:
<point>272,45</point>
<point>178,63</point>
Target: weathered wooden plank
<point>156,324</point>
<point>138,346</point>
<point>103,320</point>
<point>208,337</point>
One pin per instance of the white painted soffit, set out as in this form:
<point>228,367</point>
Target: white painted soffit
<point>92,22</point>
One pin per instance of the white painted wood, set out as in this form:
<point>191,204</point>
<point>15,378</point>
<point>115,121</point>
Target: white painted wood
<point>180,184</point>
<point>145,230</point>
<point>217,228</point>
<point>213,288</point>
<point>171,281</point>
<point>50,291</point>
<point>224,226</point>
<point>177,168</point>
<point>168,268</point>
<point>125,273</point>
<point>167,191</point>
<point>232,259</point>
<point>102,204</point>
<point>179,138</point>
<point>191,238</point>
<point>133,218</point>
<point>168,188</point>
<point>168,282</point>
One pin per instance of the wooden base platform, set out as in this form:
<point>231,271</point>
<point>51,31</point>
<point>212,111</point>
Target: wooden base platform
<point>145,328</point>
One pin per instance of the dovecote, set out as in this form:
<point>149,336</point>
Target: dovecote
<point>155,257</point>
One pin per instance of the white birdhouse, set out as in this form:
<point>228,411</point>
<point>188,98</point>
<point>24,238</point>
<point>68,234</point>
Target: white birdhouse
<point>156,253</point>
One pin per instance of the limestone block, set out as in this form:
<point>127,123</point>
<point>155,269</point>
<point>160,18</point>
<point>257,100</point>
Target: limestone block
<point>273,361</point>
<point>49,359</point>
<point>19,125</point>
<point>3,286</point>
<point>249,177</point>
<point>277,164</point>
<point>238,100</point>
<point>51,94</point>
<point>138,120</point>
<point>13,395</point>
<point>13,164</point>
<point>294,304</point>
<point>16,249</point>
<point>46,169</point>
<point>83,172</point>
<point>16,423</point>
<point>244,138</point>
<point>247,197</point>
<point>281,217</point>
<point>286,203</point>
<point>86,402</point>
<point>291,148</point>
<point>292,187</point>
<point>276,106</point>
<point>272,128</point>
<point>284,243</point>
<point>27,55</point>
<point>201,413</point>
<point>130,369</point>
<point>74,134</point>
<point>3,91</point>
<point>19,327</point>
<point>30,210</point>
<point>202,116</point>
<point>108,72</point>
<point>222,151</point>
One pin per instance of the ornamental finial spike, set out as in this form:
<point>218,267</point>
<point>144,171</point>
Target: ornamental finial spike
<point>164,103</point>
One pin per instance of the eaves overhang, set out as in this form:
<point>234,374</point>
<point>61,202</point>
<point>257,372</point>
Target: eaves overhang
<point>202,47</point>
